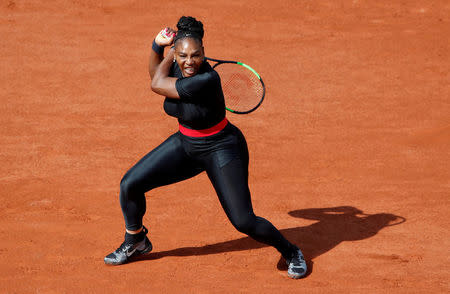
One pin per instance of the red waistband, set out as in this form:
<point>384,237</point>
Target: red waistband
<point>205,132</point>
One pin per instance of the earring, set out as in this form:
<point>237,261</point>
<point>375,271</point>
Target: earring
<point>174,59</point>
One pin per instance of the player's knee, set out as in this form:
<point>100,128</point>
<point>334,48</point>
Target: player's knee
<point>244,224</point>
<point>127,185</point>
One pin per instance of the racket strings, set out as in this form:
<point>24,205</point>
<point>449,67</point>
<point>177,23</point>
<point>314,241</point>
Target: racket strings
<point>242,89</point>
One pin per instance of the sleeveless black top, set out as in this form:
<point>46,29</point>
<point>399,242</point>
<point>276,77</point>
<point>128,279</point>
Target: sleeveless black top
<point>201,104</point>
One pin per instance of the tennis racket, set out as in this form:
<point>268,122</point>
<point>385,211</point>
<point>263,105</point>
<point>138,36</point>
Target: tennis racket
<point>242,86</point>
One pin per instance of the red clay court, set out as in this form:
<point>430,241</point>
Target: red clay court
<point>349,153</point>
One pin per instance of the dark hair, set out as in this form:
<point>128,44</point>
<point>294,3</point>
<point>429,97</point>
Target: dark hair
<point>189,27</point>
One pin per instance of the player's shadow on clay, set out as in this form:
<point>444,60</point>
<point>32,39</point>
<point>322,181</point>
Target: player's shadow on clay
<point>334,225</point>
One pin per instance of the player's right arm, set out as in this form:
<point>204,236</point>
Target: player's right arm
<point>163,39</point>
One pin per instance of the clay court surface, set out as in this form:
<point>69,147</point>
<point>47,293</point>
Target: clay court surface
<point>350,152</point>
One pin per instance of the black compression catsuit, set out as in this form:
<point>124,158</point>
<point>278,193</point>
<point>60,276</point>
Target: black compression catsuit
<point>224,157</point>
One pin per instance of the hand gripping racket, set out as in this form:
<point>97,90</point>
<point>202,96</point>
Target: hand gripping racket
<point>242,86</point>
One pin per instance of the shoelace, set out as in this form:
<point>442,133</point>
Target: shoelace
<point>295,265</point>
<point>123,247</point>
<point>297,261</point>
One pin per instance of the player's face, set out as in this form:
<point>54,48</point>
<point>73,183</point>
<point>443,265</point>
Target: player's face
<point>189,54</point>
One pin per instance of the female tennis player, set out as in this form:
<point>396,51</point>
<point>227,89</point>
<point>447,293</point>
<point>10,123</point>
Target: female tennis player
<point>206,141</point>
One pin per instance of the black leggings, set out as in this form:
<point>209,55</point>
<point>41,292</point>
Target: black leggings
<point>224,157</point>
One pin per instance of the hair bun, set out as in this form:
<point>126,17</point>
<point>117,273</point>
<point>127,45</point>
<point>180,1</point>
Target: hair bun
<point>188,24</point>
